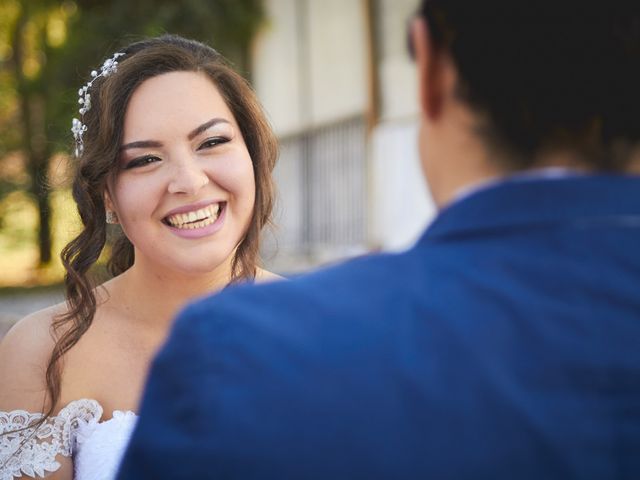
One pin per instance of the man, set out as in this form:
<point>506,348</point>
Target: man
<point>505,344</point>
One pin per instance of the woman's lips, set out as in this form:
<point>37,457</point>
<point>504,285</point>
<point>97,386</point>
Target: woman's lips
<point>199,223</point>
<point>195,218</point>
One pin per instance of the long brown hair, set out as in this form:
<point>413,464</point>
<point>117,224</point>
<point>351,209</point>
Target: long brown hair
<point>97,166</point>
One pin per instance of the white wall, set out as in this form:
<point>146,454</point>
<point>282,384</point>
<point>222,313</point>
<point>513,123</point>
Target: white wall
<point>310,63</point>
<point>338,59</point>
<point>310,69</point>
<point>396,71</point>
<point>276,67</point>
<point>400,203</point>
<point>401,206</point>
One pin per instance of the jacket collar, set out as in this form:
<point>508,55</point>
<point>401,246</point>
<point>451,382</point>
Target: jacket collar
<point>522,202</point>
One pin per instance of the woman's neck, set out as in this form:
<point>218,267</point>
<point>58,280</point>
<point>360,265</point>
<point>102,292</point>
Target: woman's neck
<point>153,296</point>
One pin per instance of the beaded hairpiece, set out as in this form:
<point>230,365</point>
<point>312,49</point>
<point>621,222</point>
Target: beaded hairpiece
<point>77,125</point>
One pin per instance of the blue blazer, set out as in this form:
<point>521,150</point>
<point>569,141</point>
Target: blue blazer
<point>505,344</point>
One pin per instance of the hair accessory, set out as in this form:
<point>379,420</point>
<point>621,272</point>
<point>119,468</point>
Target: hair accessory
<point>77,126</point>
<point>111,217</point>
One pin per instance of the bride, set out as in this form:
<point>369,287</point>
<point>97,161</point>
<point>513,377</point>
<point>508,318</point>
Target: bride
<point>173,146</point>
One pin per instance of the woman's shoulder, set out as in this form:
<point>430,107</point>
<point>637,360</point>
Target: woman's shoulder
<point>24,354</point>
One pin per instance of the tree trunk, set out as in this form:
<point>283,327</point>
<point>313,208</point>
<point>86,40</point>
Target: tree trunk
<point>44,230</point>
<point>40,191</point>
<point>35,146</point>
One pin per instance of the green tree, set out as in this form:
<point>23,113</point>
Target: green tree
<point>48,47</point>
<point>28,37</point>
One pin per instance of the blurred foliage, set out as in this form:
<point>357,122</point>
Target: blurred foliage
<point>47,49</point>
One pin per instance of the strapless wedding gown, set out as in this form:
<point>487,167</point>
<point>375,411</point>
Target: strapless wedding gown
<point>96,447</point>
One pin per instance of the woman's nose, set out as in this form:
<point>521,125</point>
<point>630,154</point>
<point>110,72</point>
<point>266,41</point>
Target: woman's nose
<point>188,177</point>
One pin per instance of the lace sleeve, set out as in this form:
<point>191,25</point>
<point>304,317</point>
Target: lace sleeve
<point>33,450</point>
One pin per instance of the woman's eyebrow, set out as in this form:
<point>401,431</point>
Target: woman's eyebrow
<point>198,130</point>
<point>194,133</point>
<point>142,144</point>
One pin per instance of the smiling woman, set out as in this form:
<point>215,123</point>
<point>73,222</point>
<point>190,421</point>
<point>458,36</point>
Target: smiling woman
<point>185,192</point>
<point>173,146</point>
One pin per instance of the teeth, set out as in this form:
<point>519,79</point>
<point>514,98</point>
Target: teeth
<point>197,219</point>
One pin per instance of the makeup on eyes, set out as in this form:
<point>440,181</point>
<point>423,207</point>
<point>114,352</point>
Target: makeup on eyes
<point>140,161</point>
<point>216,131</point>
<point>222,131</point>
<point>209,126</point>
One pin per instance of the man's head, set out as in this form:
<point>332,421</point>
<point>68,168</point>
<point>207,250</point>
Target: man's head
<point>524,85</point>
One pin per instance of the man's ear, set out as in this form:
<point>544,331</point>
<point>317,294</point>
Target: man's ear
<point>430,64</point>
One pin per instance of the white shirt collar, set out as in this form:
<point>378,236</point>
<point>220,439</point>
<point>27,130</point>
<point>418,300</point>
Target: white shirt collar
<point>551,173</point>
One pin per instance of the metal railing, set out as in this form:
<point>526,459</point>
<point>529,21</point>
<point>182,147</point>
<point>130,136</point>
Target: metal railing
<point>321,209</point>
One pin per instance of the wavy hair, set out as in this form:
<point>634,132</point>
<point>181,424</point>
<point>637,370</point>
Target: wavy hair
<point>97,166</point>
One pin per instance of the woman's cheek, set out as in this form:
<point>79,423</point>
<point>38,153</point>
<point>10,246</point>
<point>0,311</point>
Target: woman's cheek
<point>237,177</point>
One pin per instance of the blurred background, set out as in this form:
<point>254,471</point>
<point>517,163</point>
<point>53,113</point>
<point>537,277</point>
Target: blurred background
<point>334,78</point>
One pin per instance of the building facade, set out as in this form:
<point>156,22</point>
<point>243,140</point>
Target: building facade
<point>339,88</point>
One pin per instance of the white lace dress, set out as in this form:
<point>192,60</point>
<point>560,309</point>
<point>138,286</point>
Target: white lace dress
<point>96,447</point>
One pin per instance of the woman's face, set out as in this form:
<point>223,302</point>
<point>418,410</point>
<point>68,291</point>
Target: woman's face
<point>185,188</point>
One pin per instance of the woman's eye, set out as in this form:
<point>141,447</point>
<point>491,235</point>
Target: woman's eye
<point>142,161</point>
<point>212,142</point>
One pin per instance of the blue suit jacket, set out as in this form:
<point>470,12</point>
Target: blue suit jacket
<point>505,344</point>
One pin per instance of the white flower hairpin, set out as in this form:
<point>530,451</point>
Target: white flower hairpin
<point>77,125</point>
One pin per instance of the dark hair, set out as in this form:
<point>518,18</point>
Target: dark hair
<point>546,76</point>
<point>97,166</point>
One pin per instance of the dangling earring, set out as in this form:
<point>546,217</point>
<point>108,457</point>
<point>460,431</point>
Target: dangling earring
<point>112,217</point>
